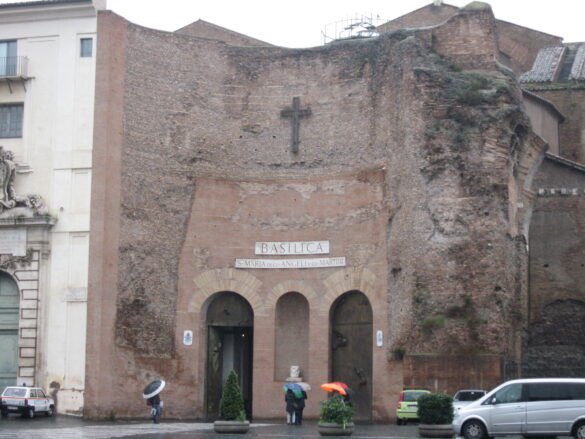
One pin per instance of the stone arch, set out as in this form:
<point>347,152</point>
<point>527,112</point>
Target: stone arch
<point>229,340</point>
<point>288,286</point>
<point>348,279</point>
<point>226,279</point>
<point>10,296</point>
<point>351,348</point>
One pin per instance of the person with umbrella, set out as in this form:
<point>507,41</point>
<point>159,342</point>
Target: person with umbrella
<point>289,399</point>
<point>341,388</point>
<point>151,394</point>
<point>299,407</point>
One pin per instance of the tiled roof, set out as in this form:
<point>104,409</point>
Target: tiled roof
<point>578,69</point>
<point>558,64</point>
<point>545,65</point>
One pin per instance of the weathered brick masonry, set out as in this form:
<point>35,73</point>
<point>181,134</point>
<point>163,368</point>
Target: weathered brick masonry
<point>413,164</point>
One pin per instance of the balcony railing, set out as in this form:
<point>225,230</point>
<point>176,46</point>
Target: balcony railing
<point>13,67</point>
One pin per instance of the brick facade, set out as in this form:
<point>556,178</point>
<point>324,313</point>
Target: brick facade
<point>415,166</point>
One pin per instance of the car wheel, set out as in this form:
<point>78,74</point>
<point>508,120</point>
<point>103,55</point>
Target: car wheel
<point>50,411</point>
<point>30,412</point>
<point>474,430</point>
<point>580,431</point>
<point>398,421</point>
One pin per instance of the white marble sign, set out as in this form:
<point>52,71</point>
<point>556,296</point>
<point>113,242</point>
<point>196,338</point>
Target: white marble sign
<point>76,294</point>
<point>13,242</point>
<point>292,248</point>
<point>290,263</point>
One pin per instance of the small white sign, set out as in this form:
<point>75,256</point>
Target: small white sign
<point>290,263</point>
<point>379,338</point>
<point>292,248</point>
<point>188,338</point>
<point>76,294</point>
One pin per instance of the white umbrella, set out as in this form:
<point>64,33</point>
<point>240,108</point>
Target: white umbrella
<point>304,386</point>
<point>153,389</point>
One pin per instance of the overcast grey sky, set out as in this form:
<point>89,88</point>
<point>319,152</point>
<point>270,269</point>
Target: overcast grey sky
<point>299,23</point>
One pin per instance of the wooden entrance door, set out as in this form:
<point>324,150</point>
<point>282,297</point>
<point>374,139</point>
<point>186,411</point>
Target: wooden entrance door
<point>9,304</point>
<point>351,349</point>
<point>230,323</point>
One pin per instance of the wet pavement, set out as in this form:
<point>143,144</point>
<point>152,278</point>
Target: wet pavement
<point>65,427</point>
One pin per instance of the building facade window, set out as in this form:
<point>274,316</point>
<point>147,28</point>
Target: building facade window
<point>8,58</point>
<point>11,120</point>
<point>86,48</point>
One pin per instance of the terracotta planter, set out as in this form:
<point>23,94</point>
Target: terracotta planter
<point>231,427</point>
<point>435,430</point>
<point>332,429</point>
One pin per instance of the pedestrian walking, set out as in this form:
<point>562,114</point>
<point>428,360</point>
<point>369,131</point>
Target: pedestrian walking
<point>300,406</point>
<point>155,403</point>
<point>151,394</point>
<point>289,399</point>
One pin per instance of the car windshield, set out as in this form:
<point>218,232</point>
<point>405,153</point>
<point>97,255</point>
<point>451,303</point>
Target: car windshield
<point>469,395</point>
<point>412,396</point>
<point>14,392</point>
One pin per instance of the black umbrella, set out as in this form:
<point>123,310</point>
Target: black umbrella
<point>153,388</point>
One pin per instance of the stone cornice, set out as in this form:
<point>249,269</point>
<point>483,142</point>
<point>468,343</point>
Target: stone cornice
<point>40,220</point>
<point>36,11</point>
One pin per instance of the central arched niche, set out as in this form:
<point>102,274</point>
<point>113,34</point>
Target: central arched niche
<point>229,322</point>
<point>292,335</point>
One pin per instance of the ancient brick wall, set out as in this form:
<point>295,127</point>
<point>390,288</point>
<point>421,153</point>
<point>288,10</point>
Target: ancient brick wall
<point>203,29</point>
<point>429,15</point>
<point>520,45</point>
<point>557,273</point>
<point>413,166</point>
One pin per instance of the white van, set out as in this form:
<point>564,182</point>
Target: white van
<point>528,407</point>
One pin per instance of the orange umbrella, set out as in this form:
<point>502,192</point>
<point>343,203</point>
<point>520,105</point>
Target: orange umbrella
<point>334,387</point>
<point>345,387</point>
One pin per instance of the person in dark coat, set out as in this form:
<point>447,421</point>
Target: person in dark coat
<point>300,406</point>
<point>347,399</point>
<point>289,398</point>
<point>154,402</point>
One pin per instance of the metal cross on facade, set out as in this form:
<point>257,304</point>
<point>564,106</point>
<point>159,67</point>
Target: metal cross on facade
<point>295,113</point>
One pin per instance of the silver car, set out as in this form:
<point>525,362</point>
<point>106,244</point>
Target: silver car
<point>466,397</point>
<point>528,407</point>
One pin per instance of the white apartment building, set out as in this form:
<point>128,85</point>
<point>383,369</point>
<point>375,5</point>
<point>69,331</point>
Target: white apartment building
<point>47,78</point>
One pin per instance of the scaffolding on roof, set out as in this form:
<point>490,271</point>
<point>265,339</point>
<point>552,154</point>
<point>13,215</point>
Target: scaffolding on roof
<point>358,26</point>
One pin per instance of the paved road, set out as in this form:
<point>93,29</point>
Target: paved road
<point>63,427</point>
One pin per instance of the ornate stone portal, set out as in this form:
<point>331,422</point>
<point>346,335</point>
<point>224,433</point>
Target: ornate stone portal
<point>24,248</point>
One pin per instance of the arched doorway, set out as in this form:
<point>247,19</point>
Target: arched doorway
<point>351,349</point>
<point>9,304</point>
<point>229,321</point>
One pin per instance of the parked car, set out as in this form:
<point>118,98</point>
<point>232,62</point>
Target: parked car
<point>465,397</point>
<point>528,407</point>
<point>407,405</point>
<point>27,401</point>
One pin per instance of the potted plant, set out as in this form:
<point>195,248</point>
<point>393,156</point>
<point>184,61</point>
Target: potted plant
<point>336,417</point>
<point>435,411</point>
<point>231,408</point>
